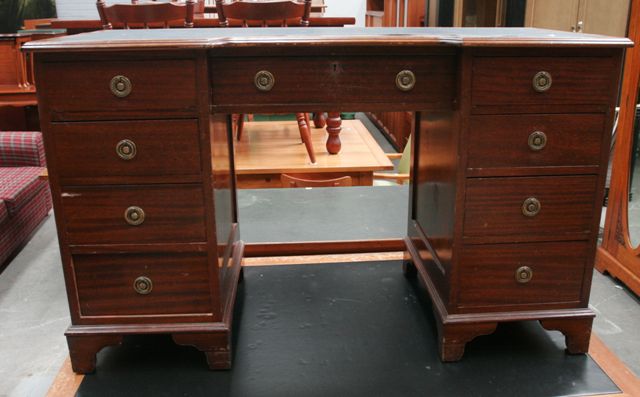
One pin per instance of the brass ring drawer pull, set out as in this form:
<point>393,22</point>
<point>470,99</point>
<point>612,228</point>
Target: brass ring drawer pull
<point>134,215</point>
<point>524,274</point>
<point>143,285</point>
<point>537,141</point>
<point>531,207</point>
<point>542,81</point>
<point>405,80</point>
<point>126,149</point>
<point>264,80</point>
<point>120,86</point>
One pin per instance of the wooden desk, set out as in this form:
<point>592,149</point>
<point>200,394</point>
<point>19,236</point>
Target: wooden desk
<point>508,168</point>
<point>200,21</point>
<point>271,148</point>
<point>17,87</point>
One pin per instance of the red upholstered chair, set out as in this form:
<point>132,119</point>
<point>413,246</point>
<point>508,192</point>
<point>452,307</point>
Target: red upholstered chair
<point>25,199</point>
<point>146,13</point>
<point>265,14</point>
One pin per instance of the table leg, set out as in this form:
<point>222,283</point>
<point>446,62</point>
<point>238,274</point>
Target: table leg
<point>318,120</point>
<point>333,128</point>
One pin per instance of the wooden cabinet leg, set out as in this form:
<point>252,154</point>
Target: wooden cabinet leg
<point>83,350</point>
<point>219,359</point>
<point>319,120</point>
<point>577,332</point>
<point>334,126</point>
<point>216,346</point>
<point>452,338</point>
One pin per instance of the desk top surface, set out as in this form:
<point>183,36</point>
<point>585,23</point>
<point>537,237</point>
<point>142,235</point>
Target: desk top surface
<point>153,39</point>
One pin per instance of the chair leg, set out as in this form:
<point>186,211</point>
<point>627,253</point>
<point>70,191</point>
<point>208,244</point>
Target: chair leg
<point>239,125</point>
<point>307,119</point>
<point>305,134</point>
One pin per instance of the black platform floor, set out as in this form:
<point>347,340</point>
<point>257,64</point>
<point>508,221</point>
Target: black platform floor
<point>355,329</point>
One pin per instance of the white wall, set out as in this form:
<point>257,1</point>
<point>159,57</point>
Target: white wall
<point>86,9</point>
<point>345,8</point>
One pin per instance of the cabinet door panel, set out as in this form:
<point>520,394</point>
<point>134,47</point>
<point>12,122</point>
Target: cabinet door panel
<point>552,14</point>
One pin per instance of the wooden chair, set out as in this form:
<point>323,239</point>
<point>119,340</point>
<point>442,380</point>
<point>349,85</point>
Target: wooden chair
<point>401,176</point>
<point>291,181</point>
<point>146,13</point>
<point>269,13</point>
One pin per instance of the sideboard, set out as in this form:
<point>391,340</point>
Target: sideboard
<point>512,132</point>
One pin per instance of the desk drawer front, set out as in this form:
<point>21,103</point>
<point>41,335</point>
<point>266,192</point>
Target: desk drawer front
<point>510,80</point>
<point>131,148</point>
<point>529,209</point>
<point>345,80</point>
<point>136,214</point>
<point>488,273</point>
<point>535,140</point>
<point>166,284</point>
<point>120,90</point>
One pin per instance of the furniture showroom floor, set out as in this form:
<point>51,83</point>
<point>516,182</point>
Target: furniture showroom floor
<point>34,316</point>
<point>34,312</point>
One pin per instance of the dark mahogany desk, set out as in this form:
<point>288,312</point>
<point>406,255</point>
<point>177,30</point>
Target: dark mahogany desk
<point>508,168</point>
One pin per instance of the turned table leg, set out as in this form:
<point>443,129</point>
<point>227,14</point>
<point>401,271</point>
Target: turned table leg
<point>318,120</point>
<point>333,128</point>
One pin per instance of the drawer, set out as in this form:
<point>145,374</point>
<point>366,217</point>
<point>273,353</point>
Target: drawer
<point>348,80</point>
<point>488,273</point>
<point>134,214</point>
<point>131,148</point>
<point>158,88</point>
<point>535,140</point>
<point>504,209</point>
<point>574,80</point>
<point>178,283</point>
<point>273,181</point>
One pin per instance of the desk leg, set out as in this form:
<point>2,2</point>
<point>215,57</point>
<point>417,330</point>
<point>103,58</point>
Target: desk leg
<point>84,347</point>
<point>333,128</point>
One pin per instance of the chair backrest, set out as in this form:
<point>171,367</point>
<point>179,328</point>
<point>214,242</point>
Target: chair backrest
<point>265,12</point>
<point>404,165</point>
<point>291,181</point>
<point>198,10</point>
<point>146,13</point>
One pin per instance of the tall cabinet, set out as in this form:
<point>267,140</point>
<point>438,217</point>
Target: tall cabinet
<point>619,253</point>
<point>397,13</point>
<point>396,126</point>
<point>582,16</point>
